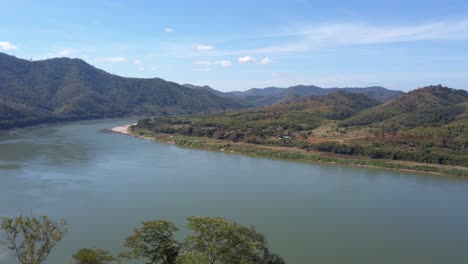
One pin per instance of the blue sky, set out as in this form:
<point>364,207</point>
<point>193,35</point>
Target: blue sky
<point>237,45</point>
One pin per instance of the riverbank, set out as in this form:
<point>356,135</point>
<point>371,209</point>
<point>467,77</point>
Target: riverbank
<point>289,153</point>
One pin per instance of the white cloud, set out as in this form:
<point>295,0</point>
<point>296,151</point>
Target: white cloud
<point>141,68</point>
<point>65,52</point>
<point>266,60</point>
<point>168,30</point>
<point>201,47</point>
<point>137,62</point>
<point>246,59</point>
<point>224,63</point>
<point>115,59</point>
<point>155,68</point>
<point>4,45</point>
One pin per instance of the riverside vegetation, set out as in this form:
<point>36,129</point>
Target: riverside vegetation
<point>213,240</point>
<point>424,130</point>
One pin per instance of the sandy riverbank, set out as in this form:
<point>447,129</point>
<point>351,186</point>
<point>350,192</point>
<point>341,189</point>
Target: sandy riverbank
<point>121,129</point>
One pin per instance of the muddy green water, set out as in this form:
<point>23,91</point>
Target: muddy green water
<point>104,184</point>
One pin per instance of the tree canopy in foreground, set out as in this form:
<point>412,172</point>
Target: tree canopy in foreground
<point>31,239</point>
<point>212,240</point>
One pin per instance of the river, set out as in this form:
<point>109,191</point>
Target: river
<point>105,184</point>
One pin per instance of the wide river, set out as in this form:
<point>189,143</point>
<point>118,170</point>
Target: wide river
<point>105,184</point>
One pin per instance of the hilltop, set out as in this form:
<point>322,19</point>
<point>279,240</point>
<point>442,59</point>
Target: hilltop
<point>432,105</point>
<point>33,92</point>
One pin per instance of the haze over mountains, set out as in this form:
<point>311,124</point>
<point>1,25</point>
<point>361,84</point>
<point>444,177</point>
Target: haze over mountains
<point>34,92</point>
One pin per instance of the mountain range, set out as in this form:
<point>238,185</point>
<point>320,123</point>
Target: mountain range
<point>34,92</point>
<point>273,95</point>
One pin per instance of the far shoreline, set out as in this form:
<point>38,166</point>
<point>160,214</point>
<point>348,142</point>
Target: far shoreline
<point>282,153</point>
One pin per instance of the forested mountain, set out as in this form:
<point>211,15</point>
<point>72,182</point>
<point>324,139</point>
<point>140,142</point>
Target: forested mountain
<point>33,92</point>
<point>272,95</point>
<point>432,105</point>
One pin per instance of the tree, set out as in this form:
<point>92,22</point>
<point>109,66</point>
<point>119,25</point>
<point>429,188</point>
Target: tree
<point>31,239</point>
<point>222,241</point>
<point>153,241</point>
<point>92,256</point>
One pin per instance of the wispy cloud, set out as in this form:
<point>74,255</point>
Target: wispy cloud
<point>224,63</point>
<point>266,60</point>
<point>246,59</point>
<point>202,47</point>
<point>168,30</point>
<point>4,45</point>
<point>137,62</point>
<point>349,34</point>
<point>345,34</point>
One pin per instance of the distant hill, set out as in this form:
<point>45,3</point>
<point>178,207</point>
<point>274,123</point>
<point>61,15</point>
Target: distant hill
<point>272,95</point>
<point>432,105</point>
<point>33,92</point>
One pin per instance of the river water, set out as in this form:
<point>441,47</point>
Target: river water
<point>105,184</point>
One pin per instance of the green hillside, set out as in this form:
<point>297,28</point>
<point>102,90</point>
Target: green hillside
<point>33,92</point>
<point>432,105</point>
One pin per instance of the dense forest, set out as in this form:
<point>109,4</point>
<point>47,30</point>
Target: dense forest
<point>33,92</point>
<point>427,125</point>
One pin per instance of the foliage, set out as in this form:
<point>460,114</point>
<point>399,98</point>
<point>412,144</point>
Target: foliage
<point>214,240</point>
<point>222,241</point>
<point>32,239</point>
<point>92,256</point>
<point>153,241</point>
